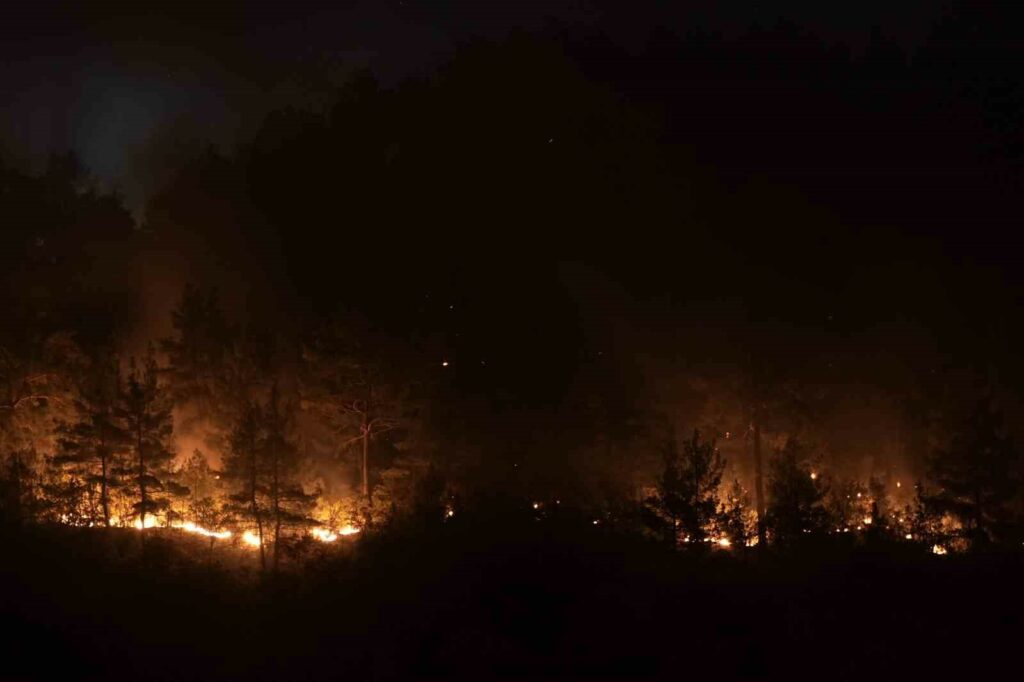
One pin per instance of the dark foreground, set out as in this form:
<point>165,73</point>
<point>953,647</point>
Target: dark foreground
<point>502,599</point>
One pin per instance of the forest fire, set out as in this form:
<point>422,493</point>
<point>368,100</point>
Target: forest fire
<point>249,538</point>
<point>190,527</point>
<point>323,534</point>
<point>571,340</point>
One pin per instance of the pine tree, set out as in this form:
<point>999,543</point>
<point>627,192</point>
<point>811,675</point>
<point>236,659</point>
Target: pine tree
<point>209,372</point>
<point>977,476</point>
<point>795,506</point>
<point>688,488</point>
<point>289,505</point>
<point>347,386</point>
<point>262,468</point>
<point>244,468</point>
<point>197,352</point>
<point>145,414</point>
<point>737,521</point>
<point>92,450</point>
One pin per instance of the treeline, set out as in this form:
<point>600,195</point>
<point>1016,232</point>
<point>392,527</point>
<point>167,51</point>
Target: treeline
<point>970,499</point>
<point>267,434</point>
<point>93,439</point>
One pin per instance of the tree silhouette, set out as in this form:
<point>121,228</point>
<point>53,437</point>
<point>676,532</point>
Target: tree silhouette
<point>93,449</point>
<point>289,505</point>
<point>688,489</point>
<point>350,388</point>
<point>243,467</point>
<point>145,414</point>
<point>737,521</point>
<point>795,497</point>
<point>976,476</point>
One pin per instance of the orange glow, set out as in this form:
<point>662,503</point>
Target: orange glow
<point>251,539</point>
<point>190,527</point>
<point>323,534</point>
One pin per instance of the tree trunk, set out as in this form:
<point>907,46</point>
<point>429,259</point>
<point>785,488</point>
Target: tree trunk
<point>752,402</point>
<point>256,511</point>
<point>366,463</point>
<point>142,475</point>
<point>104,495</point>
<point>277,513</point>
<point>759,485</point>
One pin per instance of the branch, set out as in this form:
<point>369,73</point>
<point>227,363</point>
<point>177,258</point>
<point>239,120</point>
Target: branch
<point>17,403</point>
<point>38,377</point>
<point>382,425</point>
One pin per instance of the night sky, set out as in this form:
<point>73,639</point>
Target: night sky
<point>104,79</point>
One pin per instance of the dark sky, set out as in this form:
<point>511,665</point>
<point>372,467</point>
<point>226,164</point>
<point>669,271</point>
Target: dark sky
<point>103,77</point>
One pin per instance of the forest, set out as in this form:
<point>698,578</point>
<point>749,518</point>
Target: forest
<point>530,367</point>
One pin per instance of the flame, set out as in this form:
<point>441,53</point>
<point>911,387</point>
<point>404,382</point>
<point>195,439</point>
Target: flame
<point>724,543</point>
<point>251,539</point>
<point>867,520</point>
<point>190,527</point>
<point>152,521</point>
<point>323,534</point>
<point>348,530</point>
<point>938,549</point>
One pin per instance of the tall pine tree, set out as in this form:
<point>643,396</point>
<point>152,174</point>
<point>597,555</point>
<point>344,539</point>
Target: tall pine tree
<point>145,413</point>
<point>93,449</point>
<point>688,488</point>
<point>796,505</point>
<point>977,476</point>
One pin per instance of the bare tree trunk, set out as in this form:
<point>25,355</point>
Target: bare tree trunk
<point>759,485</point>
<point>256,510</point>
<point>104,494</point>
<point>366,463</point>
<point>142,474</point>
<point>277,513</point>
<point>367,430</point>
<point>753,407</point>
